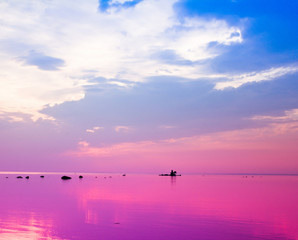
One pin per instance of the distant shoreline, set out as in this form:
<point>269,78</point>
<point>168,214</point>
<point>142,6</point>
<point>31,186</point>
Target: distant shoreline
<point>185,174</point>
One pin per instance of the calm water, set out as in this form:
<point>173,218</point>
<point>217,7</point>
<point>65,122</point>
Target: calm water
<point>148,207</point>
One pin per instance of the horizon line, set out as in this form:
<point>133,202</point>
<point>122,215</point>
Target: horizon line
<point>133,173</point>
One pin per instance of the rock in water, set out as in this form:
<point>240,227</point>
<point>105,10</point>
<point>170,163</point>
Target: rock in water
<point>80,176</point>
<point>19,177</point>
<point>27,177</point>
<point>42,176</point>
<point>65,177</point>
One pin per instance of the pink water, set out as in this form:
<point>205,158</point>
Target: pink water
<point>148,207</point>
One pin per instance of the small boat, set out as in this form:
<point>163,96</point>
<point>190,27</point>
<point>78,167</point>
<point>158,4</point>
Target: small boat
<point>172,174</point>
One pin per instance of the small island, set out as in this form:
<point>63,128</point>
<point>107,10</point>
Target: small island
<point>172,174</point>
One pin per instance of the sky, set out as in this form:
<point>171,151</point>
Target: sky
<point>146,86</point>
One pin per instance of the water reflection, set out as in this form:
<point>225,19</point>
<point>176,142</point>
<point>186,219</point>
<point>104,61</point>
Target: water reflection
<point>173,180</point>
<point>149,207</point>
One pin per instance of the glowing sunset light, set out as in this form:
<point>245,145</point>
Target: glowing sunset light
<point>256,145</point>
<point>105,85</point>
<point>148,119</point>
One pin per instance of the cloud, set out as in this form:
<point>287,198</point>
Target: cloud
<point>122,1</point>
<point>193,107</point>
<point>266,75</point>
<point>86,150</point>
<point>122,129</point>
<point>105,5</point>
<point>12,117</point>
<point>272,136</point>
<point>42,61</point>
<point>27,90</point>
<point>289,115</point>
<point>81,43</point>
<point>94,129</point>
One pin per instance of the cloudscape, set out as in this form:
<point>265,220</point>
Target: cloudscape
<point>145,86</point>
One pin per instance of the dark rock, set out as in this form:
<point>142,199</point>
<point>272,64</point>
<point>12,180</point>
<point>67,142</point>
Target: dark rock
<point>27,177</point>
<point>42,176</point>
<point>80,176</point>
<point>19,177</point>
<point>65,177</point>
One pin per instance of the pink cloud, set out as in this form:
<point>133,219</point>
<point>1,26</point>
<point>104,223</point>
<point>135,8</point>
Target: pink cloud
<point>94,129</point>
<point>289,115</point>
<point>84,149</point>
<point>269,149</point>
<point>274,136</point>
<point>122,129</point>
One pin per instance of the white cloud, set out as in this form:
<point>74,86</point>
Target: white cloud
<point>193,40</point>
<point>289,115</point>
<point>122,129</point>
<point>120,1</point>
<point>94,129</point>
<point>114,45</point>
<point>11,118</point>
<point>26,89</point>
<point>269,74</point>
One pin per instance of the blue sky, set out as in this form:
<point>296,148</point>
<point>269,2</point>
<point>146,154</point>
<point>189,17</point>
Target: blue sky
<point>273,22</point>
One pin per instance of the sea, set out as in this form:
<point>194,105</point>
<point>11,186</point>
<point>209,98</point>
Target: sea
<point>144,206</point>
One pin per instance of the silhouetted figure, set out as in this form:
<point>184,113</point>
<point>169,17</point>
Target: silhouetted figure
<point>80,176</point>
<point>172,174</point>
<point>19,177</point>
<point>65,177</point>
